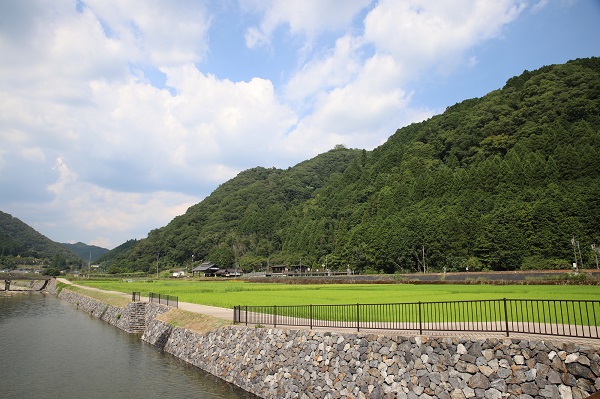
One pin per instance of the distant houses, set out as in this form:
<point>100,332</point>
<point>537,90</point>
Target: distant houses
<point>209,269</point>
<point>279,269</point>
<point>304,271</point>
<point>282,270</point>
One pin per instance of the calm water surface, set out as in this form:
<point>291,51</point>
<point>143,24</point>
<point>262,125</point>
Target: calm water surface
<point>48,349</point>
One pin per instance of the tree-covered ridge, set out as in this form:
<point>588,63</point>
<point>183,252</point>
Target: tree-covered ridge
<point>501,182</point>
<point>86,252</point>
<point>19,240</point>
<point>240,221</point>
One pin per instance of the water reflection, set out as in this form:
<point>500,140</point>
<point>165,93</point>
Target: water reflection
<point>50,350</point>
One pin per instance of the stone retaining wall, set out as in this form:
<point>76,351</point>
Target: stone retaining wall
<point>133,318</point>
<point>278,363</point>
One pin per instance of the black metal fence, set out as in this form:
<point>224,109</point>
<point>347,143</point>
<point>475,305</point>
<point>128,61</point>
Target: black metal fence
<point>135,296</point>
<point>531,316</point>
<point>164,299</point>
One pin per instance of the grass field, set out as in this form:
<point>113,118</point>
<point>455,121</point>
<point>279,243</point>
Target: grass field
<point>228,293</point>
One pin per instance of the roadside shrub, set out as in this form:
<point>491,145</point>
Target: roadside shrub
<point>540,263</point>
<point>51,271</point>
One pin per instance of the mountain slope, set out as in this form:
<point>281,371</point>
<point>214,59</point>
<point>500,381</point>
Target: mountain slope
<point>19,239</point>
<point>240,219</point>
<point>85,251</point>
<point>501,182</point>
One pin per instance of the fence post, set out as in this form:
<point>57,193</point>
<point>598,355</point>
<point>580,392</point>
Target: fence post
<point>506,317</point>
<point>246,314</point>
<point>311,316</point>
<point>357,317</point>
<point>420,320</point>
<point>275,316</point>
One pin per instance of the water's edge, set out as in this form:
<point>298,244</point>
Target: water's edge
<point>277,363</point>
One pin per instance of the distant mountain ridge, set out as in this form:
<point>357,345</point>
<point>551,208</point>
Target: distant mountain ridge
<point>86,252</point>
<point>19,239</point>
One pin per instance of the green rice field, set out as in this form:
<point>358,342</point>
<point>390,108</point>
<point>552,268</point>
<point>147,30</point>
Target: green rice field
<point>284,300</point>
<point>228,294</point>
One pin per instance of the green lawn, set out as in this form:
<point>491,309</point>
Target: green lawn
<point>231,293</point>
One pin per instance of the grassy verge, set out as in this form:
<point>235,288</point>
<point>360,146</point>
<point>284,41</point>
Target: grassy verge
<point>175,317</point>
<point>192,321</point>
<point>108,298</point>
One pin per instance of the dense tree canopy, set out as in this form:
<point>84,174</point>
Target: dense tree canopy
<point>20,243</point>
<point>501,182</point>
<point>86,252</point>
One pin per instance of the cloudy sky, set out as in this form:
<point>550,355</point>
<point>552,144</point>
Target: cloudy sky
<point>117,115</point>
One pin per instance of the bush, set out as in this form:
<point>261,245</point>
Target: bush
<point>539,263</point>
<point>51,271</point>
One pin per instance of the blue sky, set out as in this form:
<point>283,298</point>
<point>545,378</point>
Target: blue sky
<point>117,115</point>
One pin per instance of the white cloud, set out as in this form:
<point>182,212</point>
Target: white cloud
<point>337,68</point>
<point>539,6</point>
<point>420,34</point>
<point>308,17</point>
<point>363,113</point>
<point>158,32</point>
<point>106,213</point>
<point>355,92</point>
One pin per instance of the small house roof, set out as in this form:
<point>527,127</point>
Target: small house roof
<point>205,266</point>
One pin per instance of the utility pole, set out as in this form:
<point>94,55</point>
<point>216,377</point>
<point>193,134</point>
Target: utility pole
<point>580,257</point>
<point>575,244</point>
<point>90,265</point>
<point>157,256</point>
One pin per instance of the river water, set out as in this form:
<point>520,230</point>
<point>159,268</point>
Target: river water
<point>48,349</point>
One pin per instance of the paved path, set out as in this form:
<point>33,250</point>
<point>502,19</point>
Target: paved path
<point>227,314</point>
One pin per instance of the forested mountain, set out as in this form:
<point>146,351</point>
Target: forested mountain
<point>86,252</point>
<point>501,182</point>
<point>108,256</point>
<point>19,240</point>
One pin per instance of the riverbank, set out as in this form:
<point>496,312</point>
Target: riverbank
<point>13,292</point>
<point>297,363</point>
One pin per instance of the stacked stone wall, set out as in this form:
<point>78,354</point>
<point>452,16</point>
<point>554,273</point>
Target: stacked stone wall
<point>277,363</point>
<point>133,318</point>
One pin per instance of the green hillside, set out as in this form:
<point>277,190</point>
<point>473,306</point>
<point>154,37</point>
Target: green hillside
<point>20,244</point>
<point>502,182</point>
<point>85,251</point>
